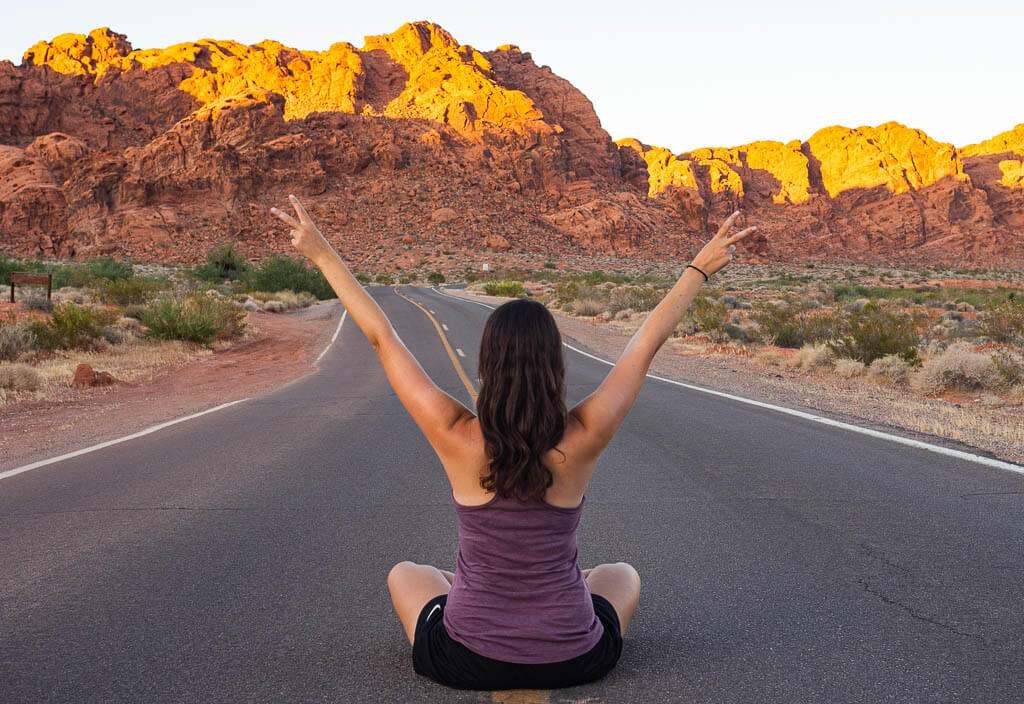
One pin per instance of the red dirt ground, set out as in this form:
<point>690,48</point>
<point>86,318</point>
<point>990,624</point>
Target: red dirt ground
<point>283,349</point>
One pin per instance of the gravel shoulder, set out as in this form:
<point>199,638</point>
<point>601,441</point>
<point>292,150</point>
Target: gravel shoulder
<point>283,348</point>
<point>978,423</point>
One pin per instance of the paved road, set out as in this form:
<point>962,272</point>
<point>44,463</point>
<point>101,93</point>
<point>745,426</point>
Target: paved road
<point>241,556</point>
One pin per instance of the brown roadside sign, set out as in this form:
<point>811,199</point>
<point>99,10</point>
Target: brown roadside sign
<point>28,277</point>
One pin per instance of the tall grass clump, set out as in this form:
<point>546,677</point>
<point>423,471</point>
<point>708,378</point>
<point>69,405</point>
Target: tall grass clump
<point>194,318</point>
<point>510,289</point>
<point>280,272</point>
<point>19,377</point>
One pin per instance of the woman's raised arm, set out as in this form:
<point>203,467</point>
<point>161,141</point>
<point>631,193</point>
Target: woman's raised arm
<point>603,411</point>
<point>436,412</point>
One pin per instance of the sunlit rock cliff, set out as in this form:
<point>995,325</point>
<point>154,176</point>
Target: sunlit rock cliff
<point>414,143</point>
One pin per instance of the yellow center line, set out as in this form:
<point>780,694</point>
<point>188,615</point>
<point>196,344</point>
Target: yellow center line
<point>521,696</point>
<point>451,353</point>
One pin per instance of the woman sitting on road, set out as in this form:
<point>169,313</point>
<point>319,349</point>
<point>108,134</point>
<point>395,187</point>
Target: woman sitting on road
<point>518,612</point>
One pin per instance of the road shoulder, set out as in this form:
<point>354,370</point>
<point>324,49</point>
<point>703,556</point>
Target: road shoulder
<point>284,348</point>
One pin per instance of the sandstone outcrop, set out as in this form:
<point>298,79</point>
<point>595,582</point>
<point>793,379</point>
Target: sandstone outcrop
<point>415,146</point>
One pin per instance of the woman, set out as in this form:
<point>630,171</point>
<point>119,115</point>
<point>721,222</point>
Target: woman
<point>518,612</point>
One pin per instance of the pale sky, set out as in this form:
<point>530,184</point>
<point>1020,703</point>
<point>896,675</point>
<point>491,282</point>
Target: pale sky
<point>677,74</point>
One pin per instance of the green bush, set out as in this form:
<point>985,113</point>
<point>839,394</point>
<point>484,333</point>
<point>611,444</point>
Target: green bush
<point>361,277</point>
<point>71,327</point>
<point>194,318</point>
<point>511,289</point>
<point>435,278</point>
<point>222,262</point>
<point>549,265</point>
<point>408,278</point>
<point>279,273</point>
<point>136,290</point>
<point>792,325</point>
<point>385,279</point>
<point>710,316</point>
<point>1003,322</point>
<point>874,332</point>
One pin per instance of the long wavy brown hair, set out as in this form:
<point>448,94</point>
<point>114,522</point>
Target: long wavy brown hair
<point>521,405</point>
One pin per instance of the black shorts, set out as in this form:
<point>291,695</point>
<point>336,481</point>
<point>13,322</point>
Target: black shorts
<point>438,656</point>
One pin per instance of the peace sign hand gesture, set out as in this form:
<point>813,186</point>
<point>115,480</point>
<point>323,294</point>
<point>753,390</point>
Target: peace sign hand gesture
<point>717,253</point>
<point>305,236</point>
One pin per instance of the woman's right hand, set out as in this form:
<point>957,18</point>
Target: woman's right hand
<point>718,251</point>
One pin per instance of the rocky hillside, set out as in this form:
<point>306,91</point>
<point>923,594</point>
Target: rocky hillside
<point>414,145</point>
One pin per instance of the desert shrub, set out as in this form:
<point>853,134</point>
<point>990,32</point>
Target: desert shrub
<point>710,316</point>
<point>1009,368</point>
<point>198,319</point>
<point>958,368</point>
<point>222,262</point>
<point>34,298</point>
<point>873,332</point>
<point>19,377</point>
<point>15,340</point>
<point>848,368</point>
<point>1003,322</point>
<point>511,289</point>
<point>789,325</point>
<point>640,298</point>
<point>361,277</point>
<point>123,292</point>
<point>114,335</point>
<point>587,306</point>
<point>891,368</point>
<point>407,278</point>
<point>71,327</point>
<point>549,265</point>
<point>812,356</point>
<point>435,278</point>
<point>278,273</point>
<point>772,357</point>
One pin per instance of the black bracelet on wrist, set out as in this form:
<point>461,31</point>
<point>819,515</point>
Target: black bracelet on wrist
<point>691,266</point>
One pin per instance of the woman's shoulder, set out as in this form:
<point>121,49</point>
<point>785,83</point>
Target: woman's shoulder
<point>566,490</point>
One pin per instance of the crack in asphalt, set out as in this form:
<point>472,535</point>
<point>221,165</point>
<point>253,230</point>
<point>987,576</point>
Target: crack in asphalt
<point>893,602</point>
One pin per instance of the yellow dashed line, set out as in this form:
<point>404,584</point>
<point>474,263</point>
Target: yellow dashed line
<point>455,360</point>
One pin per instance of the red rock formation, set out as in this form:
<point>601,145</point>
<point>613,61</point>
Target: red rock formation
<point>415,144</point>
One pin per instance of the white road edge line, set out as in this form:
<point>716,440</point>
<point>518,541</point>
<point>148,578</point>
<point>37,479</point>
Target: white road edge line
<point>959,454</point>
<point>153,429</point>
<point>108,443</point>
<point>333,338</point>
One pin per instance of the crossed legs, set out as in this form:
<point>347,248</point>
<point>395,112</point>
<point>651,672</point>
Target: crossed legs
<point>412,586</point>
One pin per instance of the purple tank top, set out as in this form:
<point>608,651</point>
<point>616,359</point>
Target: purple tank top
<point>519,594</point>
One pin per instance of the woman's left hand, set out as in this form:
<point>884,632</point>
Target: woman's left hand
<point>305,236</point>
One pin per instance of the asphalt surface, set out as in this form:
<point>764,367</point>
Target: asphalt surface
<point>242,556</point>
